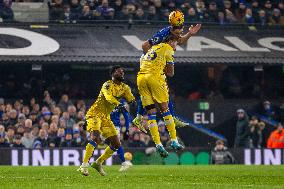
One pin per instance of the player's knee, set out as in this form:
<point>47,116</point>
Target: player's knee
<point>95,136</point>
<point>164,107</point>
<point>151,109</point>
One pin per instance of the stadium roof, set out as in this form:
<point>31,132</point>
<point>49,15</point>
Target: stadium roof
<point>119,44</point>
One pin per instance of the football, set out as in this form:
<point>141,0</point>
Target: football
<point>128,156</point>
<point>176,18</point>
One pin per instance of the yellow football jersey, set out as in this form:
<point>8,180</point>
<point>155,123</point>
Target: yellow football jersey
<point>109,98</point>
<point>155,60</point>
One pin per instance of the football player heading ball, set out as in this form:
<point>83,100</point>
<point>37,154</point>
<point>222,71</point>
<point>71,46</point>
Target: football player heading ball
<point>176,19</point>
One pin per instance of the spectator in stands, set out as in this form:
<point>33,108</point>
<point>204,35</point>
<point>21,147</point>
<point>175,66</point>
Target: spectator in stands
<point>20,130</point>
<point>139,15</point>
<point>256,129</point>
<point>47,101</point>
<point>77,140</point>
<point>276,138</point>
<point>117,5</point>
<point>221,154</point>
<point>6,12</point>
<point>28,139</point>
<point>255,9</point>
<point>72,112</point>
<point>69,122</point>
<point>152,16</point>
<point>200,9</point>
<point>3,142</point>
<point>87,13</point>
<point>229,16</point>
<point>28,124</point>
<point>248,18</point>
<point>17,143</point>
<point>268,7</point>
<point>56,10</point>
<point>276,17</point>
<point>41,141</point>
<point>242,130</point>
<point>191,15</point>
<point>268,110</point>
<point>105,11</point>
<point>26,111</point>
<point>240,11</point>
<point>60,137</point>
<point>262,18</point>
<point>64,102</point>
<point>211,14</point>
<point>10,134</point>
<point>75,11</point>
<point>12,117</point>
<point>68,141</point>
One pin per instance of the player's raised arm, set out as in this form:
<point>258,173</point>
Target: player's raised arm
<point>128,95</point>
<point>191,31</point>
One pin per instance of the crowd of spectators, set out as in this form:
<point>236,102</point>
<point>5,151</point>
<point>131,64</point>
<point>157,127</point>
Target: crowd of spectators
<point>45,123</point>
<point>6,12</point>
<point>250,130</point>
<point>211,11</point>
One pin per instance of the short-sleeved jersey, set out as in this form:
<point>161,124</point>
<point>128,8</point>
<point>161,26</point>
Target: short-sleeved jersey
<point>160,36</point>
<point>155,60</point>
<point>109,98</point>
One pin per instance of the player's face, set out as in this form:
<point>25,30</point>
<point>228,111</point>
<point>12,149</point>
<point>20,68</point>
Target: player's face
<point>119,74</point>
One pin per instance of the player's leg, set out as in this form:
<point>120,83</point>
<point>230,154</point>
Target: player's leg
<point>109,132</point>
<point>138,119</point>
<point>170,124</point>
<point>124,164</point>
<point>154,131</point>
<point>93,128</point>
<point>161,96</point>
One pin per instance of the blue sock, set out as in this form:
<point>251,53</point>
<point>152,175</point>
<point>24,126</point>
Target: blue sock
<point>140,109</point>
<point>171,107</point>
<point>120,153</point>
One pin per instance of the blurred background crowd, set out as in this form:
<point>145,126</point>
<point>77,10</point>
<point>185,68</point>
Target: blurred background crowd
<point>209,11</point>
<point>44,123</point>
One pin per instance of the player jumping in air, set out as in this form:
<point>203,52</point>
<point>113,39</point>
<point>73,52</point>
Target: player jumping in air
<point>154,66</point>
<point>176,20</point>
<point>115,118</point>
<point>99,122</point>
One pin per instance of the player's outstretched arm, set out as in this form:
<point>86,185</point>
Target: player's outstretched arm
<point>191,31</point>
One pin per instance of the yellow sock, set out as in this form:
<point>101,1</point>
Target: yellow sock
<point>153,126</point>
<point>170,124</point>
<point>89,151</point>
<point>107,153</point>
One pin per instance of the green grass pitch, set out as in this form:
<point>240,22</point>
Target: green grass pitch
<point>146,177</point>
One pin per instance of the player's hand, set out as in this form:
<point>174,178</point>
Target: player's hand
<point>126,135</point>
<point>194,29</point>
<point>121,108</point>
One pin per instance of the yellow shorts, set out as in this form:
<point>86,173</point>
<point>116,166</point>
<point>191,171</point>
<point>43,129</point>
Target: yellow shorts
<point>152,88</point>
<point>101,123</point>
